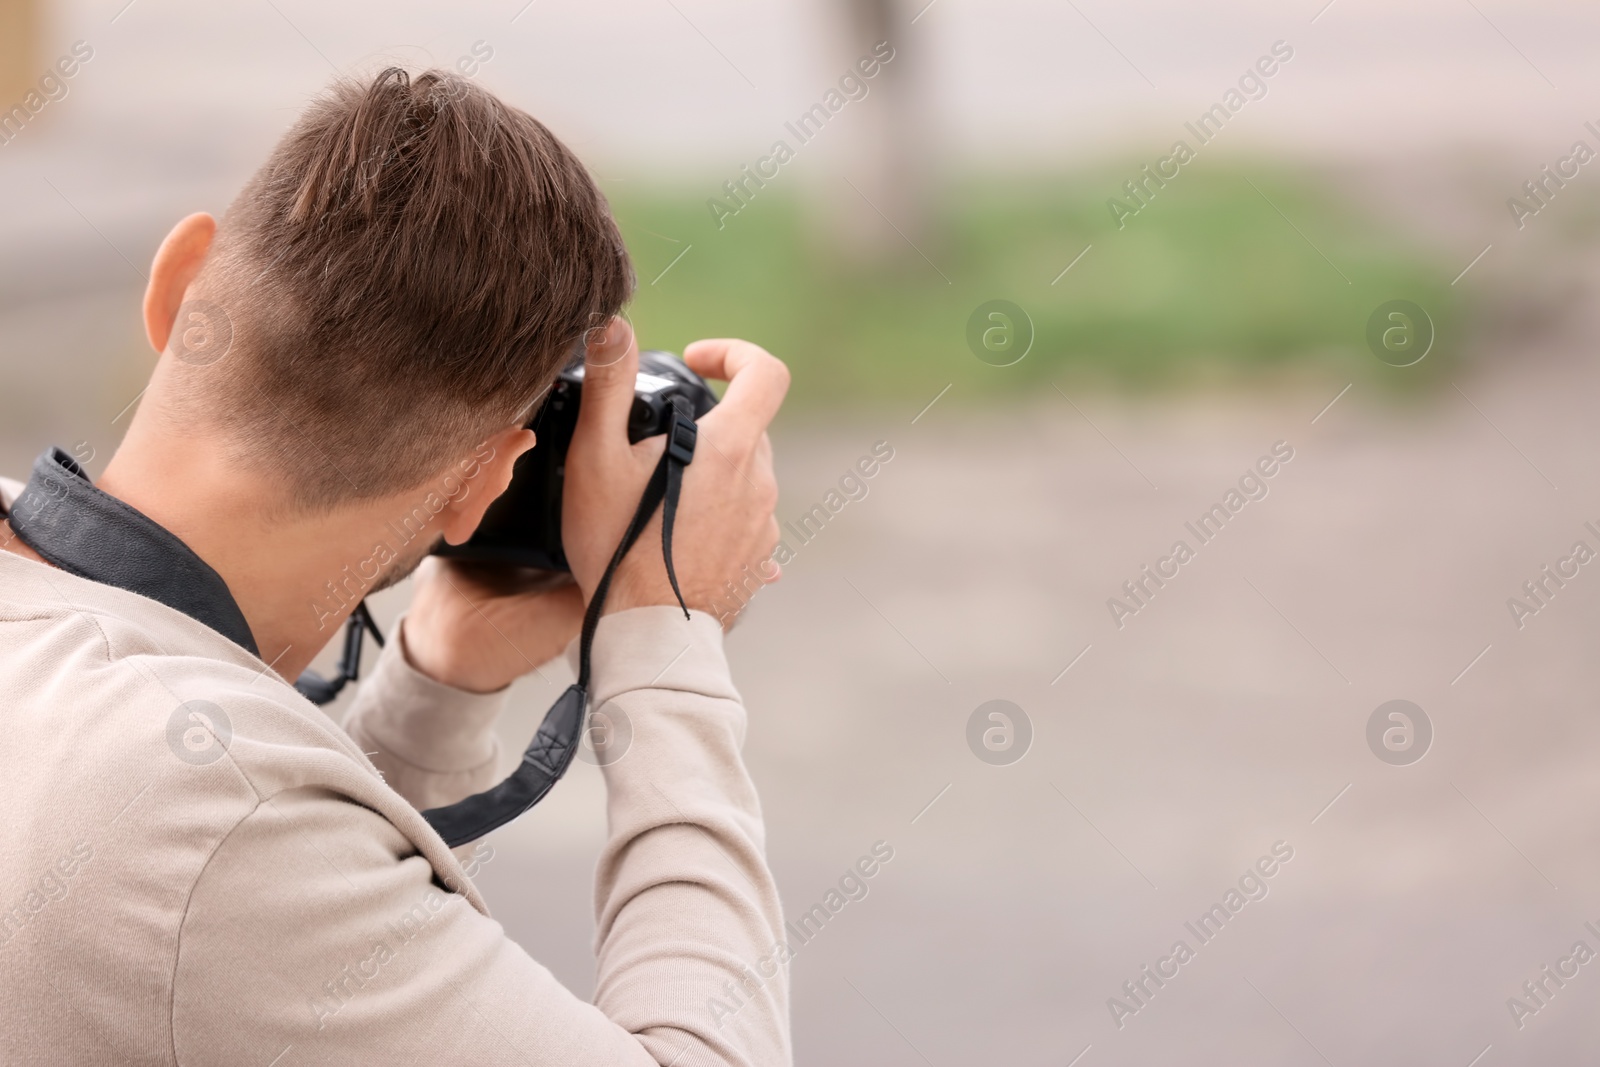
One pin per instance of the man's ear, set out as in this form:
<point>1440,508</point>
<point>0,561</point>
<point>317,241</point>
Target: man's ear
<point>463,513</point>
<point>177,262</point>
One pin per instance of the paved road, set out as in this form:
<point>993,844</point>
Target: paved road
<point>1226,716</point>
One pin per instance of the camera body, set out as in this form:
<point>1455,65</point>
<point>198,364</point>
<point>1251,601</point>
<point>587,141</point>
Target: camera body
<point>523,526</point>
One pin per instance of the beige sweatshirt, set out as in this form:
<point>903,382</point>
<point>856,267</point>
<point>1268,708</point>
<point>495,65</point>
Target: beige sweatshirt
<point>197,866</point>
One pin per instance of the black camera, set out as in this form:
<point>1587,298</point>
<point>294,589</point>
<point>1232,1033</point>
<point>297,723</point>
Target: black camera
<point>524,525</point>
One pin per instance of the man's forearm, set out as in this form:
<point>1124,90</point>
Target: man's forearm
<point>690,939</point>
<point>434,744</point>
<point>686,906</point>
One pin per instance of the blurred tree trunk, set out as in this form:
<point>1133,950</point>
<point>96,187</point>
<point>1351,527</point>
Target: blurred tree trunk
<point>886,156</point>
<point>19,46</point>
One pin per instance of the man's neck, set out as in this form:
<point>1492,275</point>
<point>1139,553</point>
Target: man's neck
<point>10,542</point>
<point>295,578</point>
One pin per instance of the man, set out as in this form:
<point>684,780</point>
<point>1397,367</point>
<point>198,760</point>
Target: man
<point>199,867</point>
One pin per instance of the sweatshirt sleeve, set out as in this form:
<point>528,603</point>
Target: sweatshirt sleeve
<point>354,950</point>
<point>434,744</point>
<point>686,912</point>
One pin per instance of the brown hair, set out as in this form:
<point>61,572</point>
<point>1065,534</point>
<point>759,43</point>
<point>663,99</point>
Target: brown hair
<point>404,276</point>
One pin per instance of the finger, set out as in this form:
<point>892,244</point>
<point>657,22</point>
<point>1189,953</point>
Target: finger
<point>757,380</point>
<point>610,368</point>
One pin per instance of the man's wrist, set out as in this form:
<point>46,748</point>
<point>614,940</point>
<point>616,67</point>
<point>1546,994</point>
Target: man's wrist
<point>430,646</point>
<point>654,647</point>
<point>425,724</point>
<point>630,590</point>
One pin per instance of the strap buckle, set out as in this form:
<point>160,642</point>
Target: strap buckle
<point>681,439</point>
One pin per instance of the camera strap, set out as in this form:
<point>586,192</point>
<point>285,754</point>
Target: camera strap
<point>78,527</point>
<point>550,752</point>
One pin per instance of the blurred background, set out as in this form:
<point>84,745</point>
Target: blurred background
<point>1068,370</point>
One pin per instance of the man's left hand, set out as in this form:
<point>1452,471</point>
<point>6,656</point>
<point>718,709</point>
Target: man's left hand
<point>481,626</point>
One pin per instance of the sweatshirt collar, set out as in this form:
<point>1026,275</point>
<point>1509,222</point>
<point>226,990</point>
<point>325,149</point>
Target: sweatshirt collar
<point>87,532</point>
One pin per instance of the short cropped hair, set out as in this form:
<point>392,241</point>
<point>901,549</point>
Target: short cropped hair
<point>404,276</point>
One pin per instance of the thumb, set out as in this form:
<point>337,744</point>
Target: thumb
<point>610,368</point>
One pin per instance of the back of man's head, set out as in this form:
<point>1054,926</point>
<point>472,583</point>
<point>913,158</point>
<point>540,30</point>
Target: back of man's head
<point>403,277</point>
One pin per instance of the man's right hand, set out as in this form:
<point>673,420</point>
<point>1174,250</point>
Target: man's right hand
<point>725,520</point>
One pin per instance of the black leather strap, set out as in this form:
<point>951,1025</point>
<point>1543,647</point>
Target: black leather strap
<point>550,752</point>
<point>87,532</point>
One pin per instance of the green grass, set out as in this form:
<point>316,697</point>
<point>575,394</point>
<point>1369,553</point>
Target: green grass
<point>1209,282</point>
